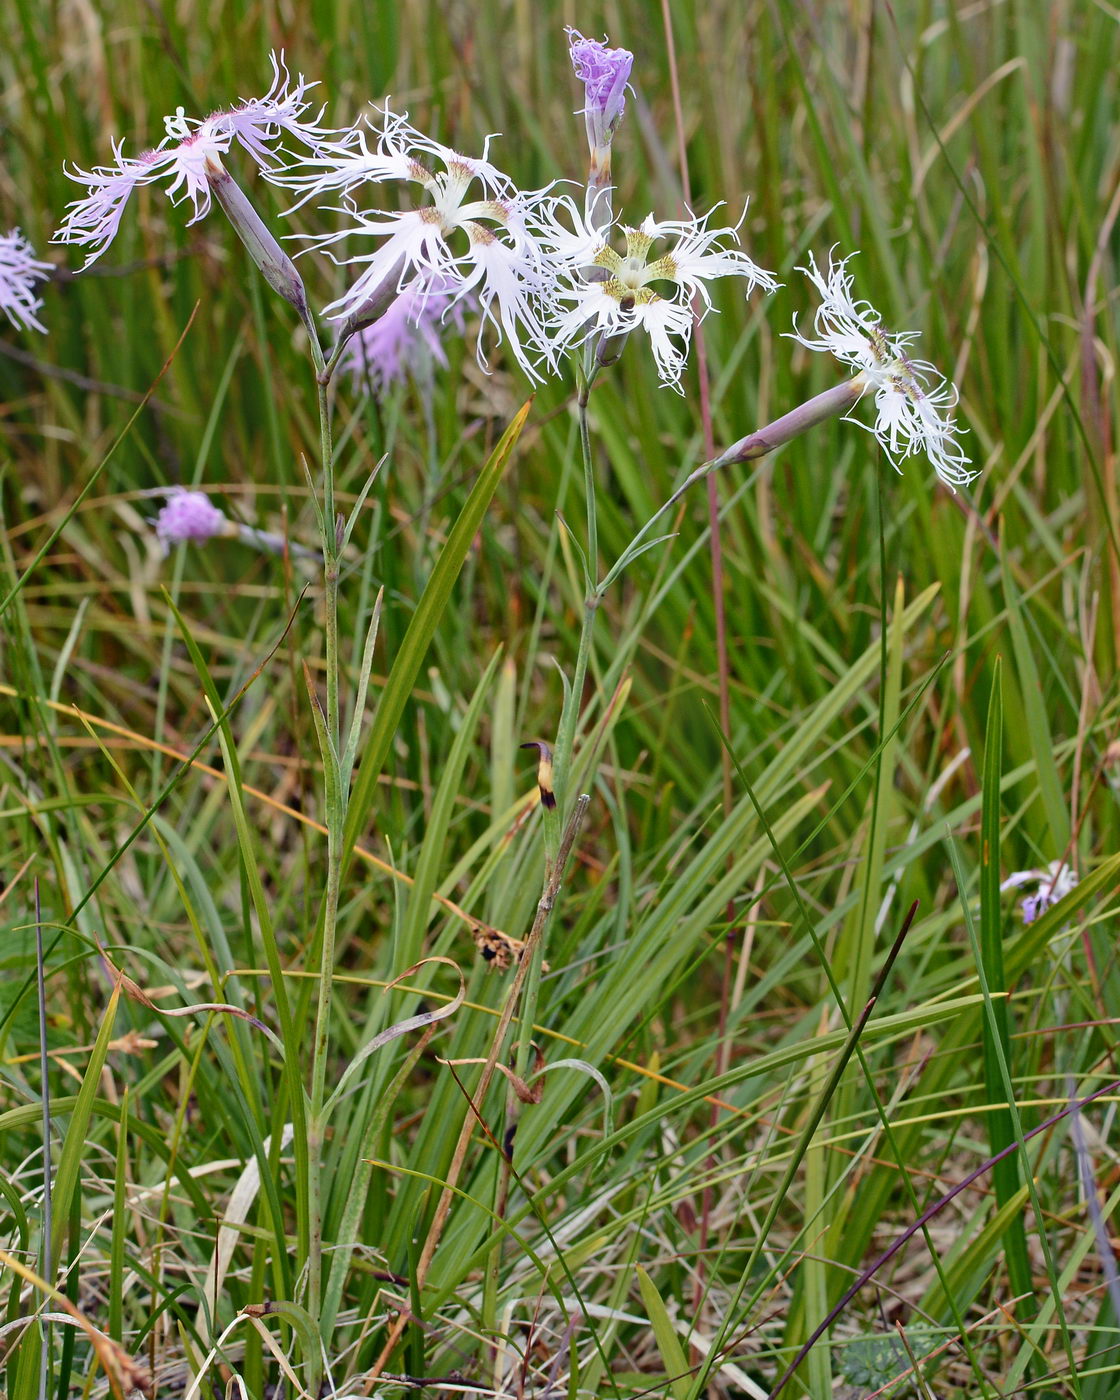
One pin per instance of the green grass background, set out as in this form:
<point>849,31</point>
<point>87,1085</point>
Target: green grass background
<point>922,699</point>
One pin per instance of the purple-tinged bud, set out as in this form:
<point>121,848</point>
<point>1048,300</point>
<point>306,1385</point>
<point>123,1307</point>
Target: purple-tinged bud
<point>604,73</point>
<point>276,267</point>
<point>189,515</point>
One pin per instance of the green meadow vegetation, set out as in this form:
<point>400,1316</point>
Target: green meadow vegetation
<point>332,1060</point>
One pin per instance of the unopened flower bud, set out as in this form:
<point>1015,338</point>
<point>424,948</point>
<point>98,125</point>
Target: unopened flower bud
<point>276,267</point>
<point>604,73</point>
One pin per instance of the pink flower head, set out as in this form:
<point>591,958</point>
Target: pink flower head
<point>605,74</point>
<point>20,270</point>
<point>259,122</point>
<point>405,338</point>
<point>189,156</point>
<point>188,515</point>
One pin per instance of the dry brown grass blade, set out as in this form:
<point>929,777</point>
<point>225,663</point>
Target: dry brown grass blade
<point>476,926</point>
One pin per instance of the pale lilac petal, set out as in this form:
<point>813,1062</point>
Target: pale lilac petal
<point>20,272</point>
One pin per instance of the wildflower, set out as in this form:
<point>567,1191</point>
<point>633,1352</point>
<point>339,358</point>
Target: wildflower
<point>1051,885</point>
<point>20,270</point>
<point>605,75</point>
<point>189,159</point>
<point>189,515</point>
<point>405,338</point>
<point>624,299</point>
<point>910,395</point>
<point>486,245</point>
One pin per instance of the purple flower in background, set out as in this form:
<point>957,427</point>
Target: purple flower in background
<point>1052,885</point>
<point>189,157</point>
<point>604,73</point>
<point>404,339</point>
<point>20,270</point>
<point>189,516</point>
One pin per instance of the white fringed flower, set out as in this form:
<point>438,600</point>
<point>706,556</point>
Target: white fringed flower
<point>1051,885</point>
<point>911,396</point>
<point>473,234</point>
<point>188,155</point>
<point>623,297</point>
<point>20,271</point>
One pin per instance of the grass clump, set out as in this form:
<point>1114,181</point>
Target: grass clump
<point>506,865</point>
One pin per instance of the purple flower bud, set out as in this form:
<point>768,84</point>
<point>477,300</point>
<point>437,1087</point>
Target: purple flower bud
<point>604,73</point>
<point>188,515</point>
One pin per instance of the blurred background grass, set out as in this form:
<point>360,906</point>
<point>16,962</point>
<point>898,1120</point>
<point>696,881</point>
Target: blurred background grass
<point>970,152</point>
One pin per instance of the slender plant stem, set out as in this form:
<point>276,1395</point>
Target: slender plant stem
<point>565,739</point>
<point>589,485</point>
<point>569,718</point>
<point>545,906</point>
<point>337,791</point>
<point>831,404</point>
<point>330,566</point>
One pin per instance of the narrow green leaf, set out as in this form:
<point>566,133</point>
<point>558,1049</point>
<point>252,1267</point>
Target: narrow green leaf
<point>77,1131</point>
<point>1001,1131</point>
<point>668,1343</point>
<point>1039,734</point>
<point>414,647</point>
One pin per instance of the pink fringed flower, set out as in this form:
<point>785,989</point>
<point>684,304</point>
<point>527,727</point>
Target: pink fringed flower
<point>611,293</point>
<point>470,229</point>
<point>189,157</point>
<point>20,271</point>
<point>189,516</point>
<point>1051,885</point>
<point>911,396</point>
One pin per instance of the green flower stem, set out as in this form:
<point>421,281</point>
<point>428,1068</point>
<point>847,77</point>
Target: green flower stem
<point>569,716</point>
<point>335,808</point>
<point>831,404</point>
